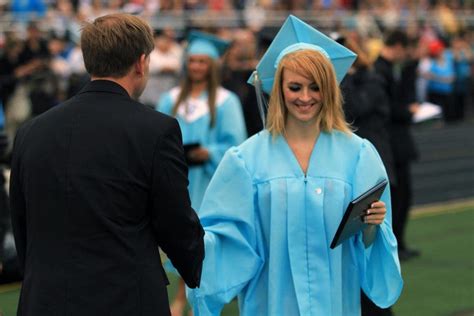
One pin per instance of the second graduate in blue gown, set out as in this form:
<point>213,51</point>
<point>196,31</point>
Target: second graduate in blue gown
<point>212,117</point>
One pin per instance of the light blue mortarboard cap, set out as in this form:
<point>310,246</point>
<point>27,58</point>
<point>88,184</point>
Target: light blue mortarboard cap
<point>206,44</point>
<point>297,35</point>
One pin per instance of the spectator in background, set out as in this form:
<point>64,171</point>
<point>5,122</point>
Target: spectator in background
<point>440,75</point>
<point>166,62</point>
<point>424,65</point>
<point>16,69</point>
<point>239,63</point>
<point>398,71</point>
<point>35,51</point>
<point>59,67</point>
<point>61,19</point>
<point>9,270</point>
<point>79,76</point>
<point>5,225</point>
<point>10,70</point>
<point>445,17</point>
<point>93,9</point>
<point>463,59</point>
<point>28,10</point>
<point>41,84</point>
<point>210,118</point>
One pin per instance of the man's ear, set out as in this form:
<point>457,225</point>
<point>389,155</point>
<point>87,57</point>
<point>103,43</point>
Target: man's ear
<point>140,65</point>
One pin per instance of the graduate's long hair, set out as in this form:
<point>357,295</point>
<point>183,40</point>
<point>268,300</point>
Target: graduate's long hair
<point>310,64</point>
<point>213,83</point>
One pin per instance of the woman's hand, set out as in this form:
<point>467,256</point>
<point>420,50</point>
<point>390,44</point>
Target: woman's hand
<point>376,213</point>
<point>199,154</point>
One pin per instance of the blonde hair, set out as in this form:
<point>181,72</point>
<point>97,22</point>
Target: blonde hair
<point>311,64</point>
<point>212,85</point>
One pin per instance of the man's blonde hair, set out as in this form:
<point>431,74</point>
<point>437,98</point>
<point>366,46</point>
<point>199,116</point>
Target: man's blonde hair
<point>314,66</point>
<point>113,43</point>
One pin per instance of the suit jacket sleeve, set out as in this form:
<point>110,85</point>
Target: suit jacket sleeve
<point>180,234</point>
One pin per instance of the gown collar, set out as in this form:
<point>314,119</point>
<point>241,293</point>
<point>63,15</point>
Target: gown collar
<point>313,159</point>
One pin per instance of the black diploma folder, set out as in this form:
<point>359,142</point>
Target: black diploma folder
<point>353,220</point>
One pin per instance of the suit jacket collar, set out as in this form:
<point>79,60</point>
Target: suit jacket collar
<point>104,86</point>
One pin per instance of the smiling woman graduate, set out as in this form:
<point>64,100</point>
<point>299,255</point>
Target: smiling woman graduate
<point>275,201</point>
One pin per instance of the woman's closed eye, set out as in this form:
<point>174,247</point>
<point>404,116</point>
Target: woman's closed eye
<point>294,88</point>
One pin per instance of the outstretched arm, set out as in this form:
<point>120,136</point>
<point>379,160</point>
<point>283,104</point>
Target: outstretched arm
<point>176,224</point>
<point>232,256</point>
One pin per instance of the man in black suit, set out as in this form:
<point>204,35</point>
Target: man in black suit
<point>97,184</point>
<point>397,82</point>
<point>398,72</point>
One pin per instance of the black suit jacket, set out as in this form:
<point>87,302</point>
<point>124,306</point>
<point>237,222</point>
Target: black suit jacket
<point>97,184</point>
<point>367,109</point>
<point>401,93</point>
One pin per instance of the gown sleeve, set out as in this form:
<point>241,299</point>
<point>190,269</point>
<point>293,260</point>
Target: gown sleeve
<point>231,255</point>
<point>379,266</point>
<point>231,131</point>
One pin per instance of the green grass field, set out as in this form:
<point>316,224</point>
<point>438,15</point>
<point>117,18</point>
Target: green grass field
<point>439,283</point>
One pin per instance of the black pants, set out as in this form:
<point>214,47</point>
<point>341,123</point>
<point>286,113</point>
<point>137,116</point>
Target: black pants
<point>401,194</point>
<point>446,103</point>
<point>368,308</point>
<point>459,101</point>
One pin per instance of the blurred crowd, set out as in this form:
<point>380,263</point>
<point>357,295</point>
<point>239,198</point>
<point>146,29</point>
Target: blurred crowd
<point>93,8</point>
<point>41,61</point>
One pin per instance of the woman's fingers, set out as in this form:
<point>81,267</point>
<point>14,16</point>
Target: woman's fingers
<point>376,214</point>
<point>378,204</point>
<point>376,211</point>
<point>373,219</point>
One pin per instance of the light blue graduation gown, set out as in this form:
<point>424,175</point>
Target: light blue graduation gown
<point>269,226</point>
<point>194,119</point>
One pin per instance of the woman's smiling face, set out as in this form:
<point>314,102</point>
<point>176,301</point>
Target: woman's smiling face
<point>302,97</point>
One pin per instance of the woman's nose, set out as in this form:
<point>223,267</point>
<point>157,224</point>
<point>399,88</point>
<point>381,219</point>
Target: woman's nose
<point>305,95</point>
